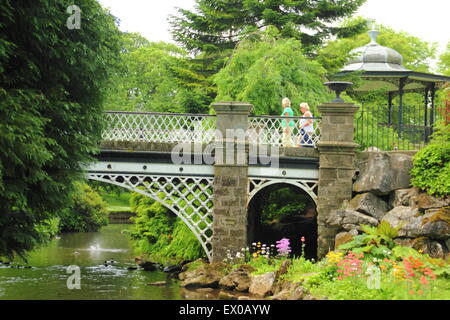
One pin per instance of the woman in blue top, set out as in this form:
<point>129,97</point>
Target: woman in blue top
<point>287,127</point>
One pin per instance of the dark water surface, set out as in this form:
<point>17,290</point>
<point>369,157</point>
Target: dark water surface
<point>47,279</point>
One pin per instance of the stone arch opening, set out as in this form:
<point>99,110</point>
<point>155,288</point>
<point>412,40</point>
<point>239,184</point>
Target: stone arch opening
<point>283,209</point>
<point>188,198</point>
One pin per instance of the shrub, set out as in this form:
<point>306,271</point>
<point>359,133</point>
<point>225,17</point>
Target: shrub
<point>87,212</point>
<point>282,203</point>
<point>49,228</point>
<point>431,165</point>
<point>376,242</point>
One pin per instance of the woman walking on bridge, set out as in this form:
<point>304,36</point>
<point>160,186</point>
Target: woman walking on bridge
<point>306,126</point>
<point>287,127</point>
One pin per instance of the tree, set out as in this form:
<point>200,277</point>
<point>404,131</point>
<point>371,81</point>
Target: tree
<point>145,79</point>
<point>87,212</point>
<point>216,27</point>
<point>217,24</point>
<point>51,98</point>
<point>262,71</point>
<point>444,62</point>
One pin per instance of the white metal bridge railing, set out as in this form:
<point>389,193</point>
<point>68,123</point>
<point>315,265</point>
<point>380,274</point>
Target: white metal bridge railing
<point>159,127</point>
<point>200,128</point>
<point>270,130</point>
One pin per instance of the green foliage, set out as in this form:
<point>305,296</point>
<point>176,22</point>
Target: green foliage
<point>117,198</point>
<point>400,252</point>
<point>49,228</point>
<point>87,212</point>
<point>279,203</point>
<point>375,241</point>
<point>444,62</point>
<point>215,28</point>
<point>159,233</point>
<point>300,267</point>
<point>263,72</point>
<point>145,78</point>
<point>431,165</point>
<point>217,24</point>
<point>51,94</point>
<point>263,265</point>
<point>184,244</point>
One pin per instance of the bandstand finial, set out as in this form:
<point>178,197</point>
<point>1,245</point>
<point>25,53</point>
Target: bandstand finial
<point>373,32</point>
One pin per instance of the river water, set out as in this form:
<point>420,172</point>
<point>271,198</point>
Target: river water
<point>48,277</point>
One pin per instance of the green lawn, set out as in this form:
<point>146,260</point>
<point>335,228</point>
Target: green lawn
<point>117,202</point>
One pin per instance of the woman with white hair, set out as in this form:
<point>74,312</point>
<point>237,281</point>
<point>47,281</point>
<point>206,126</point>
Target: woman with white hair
<point>287,127</point>
<point>306,126</point>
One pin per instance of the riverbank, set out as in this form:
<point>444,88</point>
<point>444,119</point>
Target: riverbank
<point>342,275</point>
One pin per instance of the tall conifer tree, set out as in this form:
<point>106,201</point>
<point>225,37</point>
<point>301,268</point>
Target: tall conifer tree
<point>216,26</point>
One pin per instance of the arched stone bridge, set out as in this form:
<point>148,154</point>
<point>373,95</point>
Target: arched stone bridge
<point>206,177</point>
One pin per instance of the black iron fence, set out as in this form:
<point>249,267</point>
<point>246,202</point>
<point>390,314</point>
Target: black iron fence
<point>386,128</point>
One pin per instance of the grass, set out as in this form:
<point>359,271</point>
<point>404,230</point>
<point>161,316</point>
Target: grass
<point>117,202</point>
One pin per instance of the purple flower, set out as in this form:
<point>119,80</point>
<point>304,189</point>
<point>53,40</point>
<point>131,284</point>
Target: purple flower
<point>283,247</point>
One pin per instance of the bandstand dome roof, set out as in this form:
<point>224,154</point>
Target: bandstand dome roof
<point>374,57</point>
<point>382,68</point>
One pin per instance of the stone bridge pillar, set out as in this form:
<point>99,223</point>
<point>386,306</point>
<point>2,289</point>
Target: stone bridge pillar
<point>230,178</point>
<point>337,153</point>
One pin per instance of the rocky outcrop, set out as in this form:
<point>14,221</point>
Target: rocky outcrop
<point>200,275</point>
<point>436,224</point>
<point>424,201</point>
<point>369,204</point>
<point>238,279</point>
<point>407,219</point>
<point>204,275</point>
<point>403,197</point>
<point>383,193</point>
<point>286,290</point>
<point>350,219</point>
<point>434,249</point>
<point>383,172</point>
<point>262,284</point>
<point>344,237</point>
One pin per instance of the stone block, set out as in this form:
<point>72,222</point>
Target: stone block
<point>369,204</point>
<point>403,197</point>
<point>383,172</point>
<point>262,285</point>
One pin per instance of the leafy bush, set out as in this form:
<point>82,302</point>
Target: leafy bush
<point>279,203</point>
<point>87,212</point>
<point>264,68</point>
<point>431,165</point>
<point>49,228</point>
<point>375,241</point>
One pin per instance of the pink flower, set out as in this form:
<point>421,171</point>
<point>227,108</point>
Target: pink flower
<point>423,280</point>
<point>302,239</point>
<point>283,247</point>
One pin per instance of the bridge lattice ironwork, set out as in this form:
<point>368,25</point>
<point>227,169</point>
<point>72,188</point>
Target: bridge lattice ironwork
<point>190,198</point>
<point>200,128</point>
